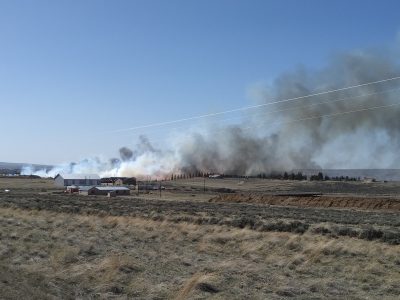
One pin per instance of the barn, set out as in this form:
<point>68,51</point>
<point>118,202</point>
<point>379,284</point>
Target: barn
<point>77,179</point>
<point>105,190</point>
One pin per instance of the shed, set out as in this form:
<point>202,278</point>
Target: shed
<point>72,189</point>
<point>105,190</point>
<point>84,190</point>
<point>77,179</point>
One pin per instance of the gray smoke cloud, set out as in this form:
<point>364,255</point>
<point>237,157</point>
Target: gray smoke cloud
<point>125,153</point>
<point>310,132</point>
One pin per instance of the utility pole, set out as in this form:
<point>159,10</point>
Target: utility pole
<point>204,184</point>
<point>160,189</point>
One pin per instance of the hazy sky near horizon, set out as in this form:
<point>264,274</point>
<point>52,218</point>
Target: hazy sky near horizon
<point>72,71</point>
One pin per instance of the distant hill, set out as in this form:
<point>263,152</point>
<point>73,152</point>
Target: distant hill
<point>378,174</point>
<point>6,167</point>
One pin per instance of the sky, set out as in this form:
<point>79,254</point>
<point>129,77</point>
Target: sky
<point>72,72</point>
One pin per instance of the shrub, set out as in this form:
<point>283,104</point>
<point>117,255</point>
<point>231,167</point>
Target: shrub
<point>321,230</point>
<point>346,231</point>
<point>370,234</point>
<point>391,237</point>
<point>243,222</point>
<point>294,226</point>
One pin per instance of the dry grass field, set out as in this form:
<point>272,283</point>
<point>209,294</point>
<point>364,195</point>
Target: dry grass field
<point>190,245</point>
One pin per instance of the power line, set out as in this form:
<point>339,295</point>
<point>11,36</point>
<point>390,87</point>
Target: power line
<point>333,114</point>
<point>314,104</point>
<point>290,108</point>
<point>253,106</point>
<point>309,118</point>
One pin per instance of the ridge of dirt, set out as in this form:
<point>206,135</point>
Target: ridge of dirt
<point>130,206</point>
<point>325,201</point>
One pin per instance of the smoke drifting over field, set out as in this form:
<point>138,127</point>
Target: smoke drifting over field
<point>306,133</point>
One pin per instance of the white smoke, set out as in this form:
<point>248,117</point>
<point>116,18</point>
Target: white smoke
<point>144,161</point>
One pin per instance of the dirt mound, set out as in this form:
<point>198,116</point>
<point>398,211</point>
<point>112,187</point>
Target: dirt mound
<point>350,202</point>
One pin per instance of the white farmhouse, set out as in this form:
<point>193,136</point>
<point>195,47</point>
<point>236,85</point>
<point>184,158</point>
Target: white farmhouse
<point>77,179</point>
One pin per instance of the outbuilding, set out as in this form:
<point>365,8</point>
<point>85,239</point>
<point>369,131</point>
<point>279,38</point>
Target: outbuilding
<point>84,190</point>
<point>77,179</point>
<point>72,189</point>
<point>105,190</point>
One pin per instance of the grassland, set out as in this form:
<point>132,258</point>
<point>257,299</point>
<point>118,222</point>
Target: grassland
<point>193,247</point>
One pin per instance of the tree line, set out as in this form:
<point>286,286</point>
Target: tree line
<point>280,176</point>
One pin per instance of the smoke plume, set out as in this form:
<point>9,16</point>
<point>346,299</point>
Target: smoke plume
<point>125,153</point>
<point>351,128</point>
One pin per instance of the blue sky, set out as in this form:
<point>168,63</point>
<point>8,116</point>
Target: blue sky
<point>71,71</point>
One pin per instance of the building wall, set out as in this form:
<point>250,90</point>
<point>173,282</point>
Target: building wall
<point>90,182</point>
<point>59,181</point>
<point>95,191</point>
<point>123,192</point>
<point>95,182</point>
<point>118,182</point>
<point>112,182</point>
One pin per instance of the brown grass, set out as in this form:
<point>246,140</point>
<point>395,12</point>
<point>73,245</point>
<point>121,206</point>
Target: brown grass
<point>202,282</point>
<point>59,255</point>
<point>156,252</point>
